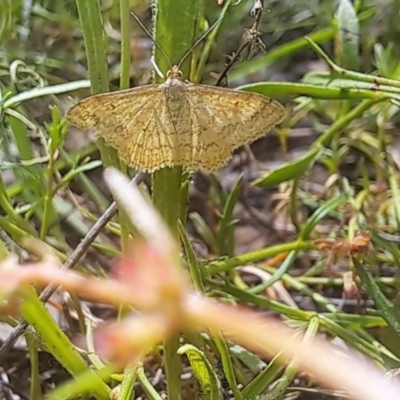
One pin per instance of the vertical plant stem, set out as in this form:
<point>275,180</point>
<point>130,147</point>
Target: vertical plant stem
<point>174,28</point>
<point>91,23</point>
<point>209,42</point>
<point>125,45</point>
<point>293,204</point>
<point>31,175</point>
<point>130,376</point>
<point>124,84</point>
<point>227,365</point>
<point>48,198</point>
<point>166,195</point>
<point>35,392</point>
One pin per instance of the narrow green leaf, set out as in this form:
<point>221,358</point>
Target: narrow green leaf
<point>204,231</point>
<point>388,311</point>
<point>58,344</point>
<point>5,20</point>
<point>194,267</point>
<point>263,379</point>
<point>227,264</point>
<point>353,339</point>
<point>278,274</point>
<point>326,208</point>
<point>349,85</point>
<point>350,321</point>
<point>91,21</point>
<point>290,170</point>
<point>225,235</point>
<point>347,38</point>
<point>77,171</point>
<point>130,376</point>
<point>385,62</point>
<point>227,365</point>
<point>253,362</point>
<point>328,90</point>
<point>279,389</point>
<point>57,130</point>
<point>35,93</point>
<point>147,386</point>
<point>203,371</point>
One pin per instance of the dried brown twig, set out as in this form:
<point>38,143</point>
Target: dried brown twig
<point>253,40</point>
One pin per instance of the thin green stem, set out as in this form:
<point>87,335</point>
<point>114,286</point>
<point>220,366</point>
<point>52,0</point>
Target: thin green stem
<point>91,23</point>
<point>35,392</point>
<point>45,91</point>
<point>56,341</point>
<point>124,84</point>
<point>227,366</point>
<point>279,389</point>
<point>335,91</point>
<point>341,123</point>
<point>130,376</point>
<point>147,386</point>
<point>209,43</point>
<point>174,29</point>
<point>125,44</point>
<point>257,255</point>
<point>293,204</point>
<point>48,198</point>
<point>348,74</point>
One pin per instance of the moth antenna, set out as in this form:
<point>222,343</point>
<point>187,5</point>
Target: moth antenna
<point>148,33</point>
<point>198,41</point>
<point>155,66</point>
